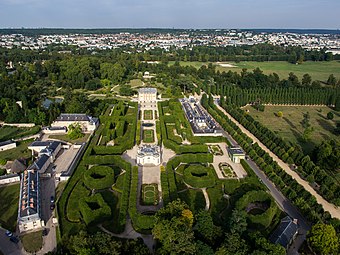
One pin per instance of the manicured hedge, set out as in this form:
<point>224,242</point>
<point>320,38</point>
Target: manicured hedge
<point>90,215</point>
<point>141,223</point>
<point>198,176</point>
<point>72,207</point>
<point>105,177</point>
<point>260,220</point>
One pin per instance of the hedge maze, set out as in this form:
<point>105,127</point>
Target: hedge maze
<point>102,178</point>
<point>260,207</point>
<point>199,176</point>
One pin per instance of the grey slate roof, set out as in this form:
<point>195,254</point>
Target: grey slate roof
<point>17,166</point>
<point>147,90</point>
<point>285,232</point>
<point>41,161</point>
<point>40,143</point>
<point>73,117</point>
<point>6,142</point>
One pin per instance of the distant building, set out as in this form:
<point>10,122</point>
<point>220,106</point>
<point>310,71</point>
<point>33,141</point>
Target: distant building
<point>41,164</point>
<point>29,202</point>
<point>17,166</point>
<point>50,148</point>
<point>54,130</point>
<point>87,123</point>
<point>7,145</point>
<point>285,233</point>
<point>147,95</point>
<point>236,154</point>
<point>148,155</point>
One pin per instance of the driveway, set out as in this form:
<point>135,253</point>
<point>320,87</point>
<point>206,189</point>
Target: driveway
<point>6,246</point>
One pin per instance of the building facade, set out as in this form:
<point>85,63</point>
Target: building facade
<point>7,145</point>
<point>148,155</point>
<point>87,123</point>
<point>147,95</point>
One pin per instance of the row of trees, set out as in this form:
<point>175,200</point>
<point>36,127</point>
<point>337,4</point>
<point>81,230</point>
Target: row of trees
<point>288,186</point>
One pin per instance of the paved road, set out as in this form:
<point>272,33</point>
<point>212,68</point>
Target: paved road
<point>332,209</point>
<point>6,246</point>
<point>48,190</point>
<point>286,206</point>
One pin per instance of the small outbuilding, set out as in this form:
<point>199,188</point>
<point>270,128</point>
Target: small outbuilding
<point>236,154</point>
<point>285,232</point>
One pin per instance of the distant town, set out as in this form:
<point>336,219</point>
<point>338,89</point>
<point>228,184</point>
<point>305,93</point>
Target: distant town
<point>178,39</point>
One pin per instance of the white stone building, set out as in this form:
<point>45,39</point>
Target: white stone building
<point>147,95</point>
<point>7,145</point>
<point>148,155</point>
<point>236,154</point>
<point>87,123</point>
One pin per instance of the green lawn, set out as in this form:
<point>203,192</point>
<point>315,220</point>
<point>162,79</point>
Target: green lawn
<point>7,132</point>
<point>32,242</point>
<point>21,151</point>
<point>318,70</point>
<point>9,197</point>
<point>148,136</point>
<point>150,194</point>
<point>67,139</point>
<point>289,126</point>
<point>148,115</point>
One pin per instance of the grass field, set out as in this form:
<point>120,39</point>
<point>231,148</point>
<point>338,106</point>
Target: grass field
<point>148,136</point>
<point>150,194</point>
<point>67,139</point>
<point>21,151</point>
<point>318,70</point>
<point>32,242</point>
<point>148,115</point>
<point>289,127</point>
<point>9,197</point>
<point>7,132</point>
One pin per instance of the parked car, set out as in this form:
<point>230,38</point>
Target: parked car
<point>52,199</point>
<point>9,233</point>
<point>14,239</point>
<point>52,206</point>
<point>45,232</point>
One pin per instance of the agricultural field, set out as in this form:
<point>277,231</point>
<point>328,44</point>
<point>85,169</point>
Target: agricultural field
<point>9,197</point>
<point>148,136</point>
<point>289,126</point>
<point>318,70</point>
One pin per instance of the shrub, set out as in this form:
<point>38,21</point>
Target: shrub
<point>99,177</point>
<point>199,176</point>
<point>94,209</point>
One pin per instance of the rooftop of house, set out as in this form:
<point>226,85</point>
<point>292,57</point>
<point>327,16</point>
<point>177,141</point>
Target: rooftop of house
<point>6,143</point>
<point>147,91</point>
<point>236,151</point>
<point>29,194</point>
<point>284,232</point>
<point>74,117</point>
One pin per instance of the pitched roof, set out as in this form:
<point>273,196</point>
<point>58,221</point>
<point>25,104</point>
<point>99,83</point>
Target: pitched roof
<point>284,232</point>
<point>17,166</point>
<point>6,143</point>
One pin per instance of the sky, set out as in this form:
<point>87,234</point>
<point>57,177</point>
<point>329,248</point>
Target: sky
<point>170,14</point>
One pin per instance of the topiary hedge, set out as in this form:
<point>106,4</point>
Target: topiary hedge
<point>199,176</point>
<point>99,177</point>
<point>94,209</point>
<point>260,220</point>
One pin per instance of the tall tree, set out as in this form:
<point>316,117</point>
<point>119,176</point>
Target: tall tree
<point>323,239</point>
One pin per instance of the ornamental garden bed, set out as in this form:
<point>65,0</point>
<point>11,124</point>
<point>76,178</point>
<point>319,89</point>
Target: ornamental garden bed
<point>150,194</point>
<point>199,176</point>
<point>215,150</point>
<point>227,170</point>
<point>148,136</point>
<point>148,115</point>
